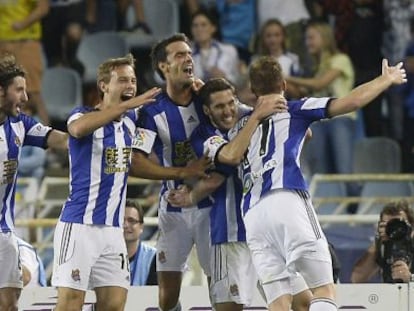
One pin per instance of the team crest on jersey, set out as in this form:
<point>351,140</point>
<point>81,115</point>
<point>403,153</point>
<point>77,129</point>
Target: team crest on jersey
<point>234,290</point>
<point>161,257</point>
<point>17,141</point>
<point>76,275</point>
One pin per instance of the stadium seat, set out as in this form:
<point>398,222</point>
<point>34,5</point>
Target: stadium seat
<point>96,48</point>
<point>61,91</point>
<point>162,17</point>
<point>377,155</point>
<point>328,189</point>
<point>384,190</point>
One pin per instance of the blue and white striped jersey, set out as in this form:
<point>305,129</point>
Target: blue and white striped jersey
<point>99,165</point>
<point>15,132</point>
<point>165,128</point>
<point>226,223</point>
<point>272,159</point>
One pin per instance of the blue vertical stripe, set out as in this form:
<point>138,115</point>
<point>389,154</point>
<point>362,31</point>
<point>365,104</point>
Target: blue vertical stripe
<point>271,150</point>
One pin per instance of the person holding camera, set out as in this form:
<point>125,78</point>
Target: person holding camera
<point>393,250</point>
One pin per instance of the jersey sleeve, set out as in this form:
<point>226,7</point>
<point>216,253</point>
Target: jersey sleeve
<point>76,114</point>
<point>146,133</point>
<point>36,132</point>
<point>311,108</point>
<point>212,146</point>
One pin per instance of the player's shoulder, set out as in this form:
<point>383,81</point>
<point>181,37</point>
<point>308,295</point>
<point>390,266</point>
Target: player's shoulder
<point>22,118</point>
<point>161,101</point>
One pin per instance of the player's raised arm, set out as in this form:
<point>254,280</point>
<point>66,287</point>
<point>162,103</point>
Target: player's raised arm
<point>365,93</point>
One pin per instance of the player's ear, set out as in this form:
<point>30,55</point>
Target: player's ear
<point>206,110</point>
<point>163,66</point>
<point>102,86</point>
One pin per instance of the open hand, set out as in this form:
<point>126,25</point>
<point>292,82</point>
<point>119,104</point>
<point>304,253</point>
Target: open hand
<point>180,197</point>
<point>270,104</point>
<point>197,168</point>
<point>396,73</point>
<point>145,98</point>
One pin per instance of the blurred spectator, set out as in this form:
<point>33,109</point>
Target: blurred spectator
<point>212,59</point>
<point>32,159</point>
<point>272,42</point>
<point>139,14</point>
<point>237,20</point>
<point>293,15</point>
<point>101,15</point>
<point>189,7</point>
<point>33,268</point>
<point>397,15</point>
<point>20,34</point>
<point>142,259</point>
<point>407,92</point>
<point>331,148</point>
<point>63,29</point>
<point>363,47</point>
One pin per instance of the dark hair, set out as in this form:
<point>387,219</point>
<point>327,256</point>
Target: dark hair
<point>9,70</point>
<point>266,76</point>
<point>207,14</point>
<point>105,69</point>
<point>213,86</point>
<point>134,204</point>
<point>159,50</point>
<point>394,208</point>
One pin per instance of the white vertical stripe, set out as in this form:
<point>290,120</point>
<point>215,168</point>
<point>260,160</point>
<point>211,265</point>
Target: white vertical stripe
<point>18,129</point>
<point>231,216</point>
<point>164,135</point>
<point>187,113</point>
<point>95,173</point>
<point>118,176</point>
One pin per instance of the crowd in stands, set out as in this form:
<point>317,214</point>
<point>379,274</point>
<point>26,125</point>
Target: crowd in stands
<point>325,47</point>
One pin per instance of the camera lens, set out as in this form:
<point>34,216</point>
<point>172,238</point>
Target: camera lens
<point>397,229</point>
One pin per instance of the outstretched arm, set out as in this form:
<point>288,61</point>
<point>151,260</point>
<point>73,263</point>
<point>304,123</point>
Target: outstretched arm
<point>89,122</point>
<point>365,93</point>
<point>58,140</point>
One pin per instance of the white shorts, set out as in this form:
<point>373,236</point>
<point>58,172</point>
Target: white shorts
<point>179,231</point>
<point>89,256</point>
<point>285,237</point>
<point>11,270</point>
<point>233,277</point>
<point>271,291</point>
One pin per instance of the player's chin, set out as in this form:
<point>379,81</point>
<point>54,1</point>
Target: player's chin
<point>188,82</point>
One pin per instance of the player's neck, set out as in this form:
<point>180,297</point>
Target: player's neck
<point>180,95</point>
